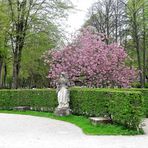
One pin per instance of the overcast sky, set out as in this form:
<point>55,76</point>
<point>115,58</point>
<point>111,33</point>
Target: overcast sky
<point>78,17</point>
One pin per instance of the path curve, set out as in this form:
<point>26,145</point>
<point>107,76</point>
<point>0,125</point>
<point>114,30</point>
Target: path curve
<point>23,131</point>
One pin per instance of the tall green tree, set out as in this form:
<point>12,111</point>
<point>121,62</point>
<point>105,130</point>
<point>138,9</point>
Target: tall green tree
<point>124,22</point>
<point>33,70</point>
<point>4,23</point>
<point>28,15</point>
<point>136,13</point>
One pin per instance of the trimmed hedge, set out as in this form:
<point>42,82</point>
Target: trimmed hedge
<point>124,107</point>
<point>144,94</point>
<point>37,99</point>
<point>145,97</point>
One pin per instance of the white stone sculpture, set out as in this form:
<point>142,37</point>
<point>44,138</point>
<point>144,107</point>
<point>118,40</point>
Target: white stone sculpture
<point>63,96</point>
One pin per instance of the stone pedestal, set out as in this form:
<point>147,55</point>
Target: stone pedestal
<point>62,111</point>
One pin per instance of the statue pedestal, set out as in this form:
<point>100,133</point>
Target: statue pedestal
<point>65,111</point>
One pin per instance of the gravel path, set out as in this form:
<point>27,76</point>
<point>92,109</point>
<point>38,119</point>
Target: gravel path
<point>22,131</point>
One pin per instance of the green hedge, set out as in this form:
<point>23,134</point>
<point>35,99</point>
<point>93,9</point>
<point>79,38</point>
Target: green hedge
<point>124,107</point>
<point>145,96</point>
<point>38,99</point>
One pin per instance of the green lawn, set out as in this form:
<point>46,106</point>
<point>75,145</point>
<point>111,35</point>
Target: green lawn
<point>83,123</point>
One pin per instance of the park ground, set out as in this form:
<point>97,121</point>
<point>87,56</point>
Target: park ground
<point>21,131</point>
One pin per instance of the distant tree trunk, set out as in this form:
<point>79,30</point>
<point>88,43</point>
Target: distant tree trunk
<point>5,75</point>
<point>17,63</point>
<point>134,16</point>
<point>116,20</point>
<point>144,47</point>
<point>15,73</point>
<point>1,67</point>
<point>17,40</point>
<point>147,69</point>
<point>107,23</point>
<point>116,30</point>
<point>137,46</point>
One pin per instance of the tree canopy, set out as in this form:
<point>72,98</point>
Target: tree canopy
<point>28,26</point>
<point>91,62</point>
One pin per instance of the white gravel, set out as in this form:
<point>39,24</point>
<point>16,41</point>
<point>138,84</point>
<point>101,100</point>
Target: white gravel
<point>22,131</point>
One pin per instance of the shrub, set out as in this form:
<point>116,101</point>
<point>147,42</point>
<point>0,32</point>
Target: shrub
<point>88,61</point>
<point>37,99</point>
<point>125,107</point>
<point>145,96</point>
<point>136,85</point>
<point>146,85</point>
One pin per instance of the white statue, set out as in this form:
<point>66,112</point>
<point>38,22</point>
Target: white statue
<point>63,92</point>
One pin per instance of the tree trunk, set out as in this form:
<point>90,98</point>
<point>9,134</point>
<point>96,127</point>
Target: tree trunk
<point>15,74</point>
<point>144,48</point>
<point>138,58</point>
<point>5,75</point>
<point>19,36</point>
<point>137,46</point>
<point>140,68</point>
<point>1,66</point>
<point>16,69</point>
<point>107,23</point>
<point>116,22</point>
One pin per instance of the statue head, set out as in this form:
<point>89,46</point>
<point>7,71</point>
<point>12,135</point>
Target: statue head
<point>62,75</point>
<point>63,79</point>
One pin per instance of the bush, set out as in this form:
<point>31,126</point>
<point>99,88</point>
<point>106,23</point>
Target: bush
<point>44,100</point>
<point>125,107</point>
<point>146,85</point>
<point>89,102</point>
<point>136,85</point>
<point>145,96</point>
<point>91,62</point>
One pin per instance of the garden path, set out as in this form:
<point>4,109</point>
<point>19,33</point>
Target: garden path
<point>22,131</point>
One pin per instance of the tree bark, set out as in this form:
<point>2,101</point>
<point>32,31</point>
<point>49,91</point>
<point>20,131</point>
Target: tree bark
<point>1,67</point>
<point>136,42</point>
<point>5,75</point>
<point>21,27</point>
<point>107,23</point>
<point>15,74</point>
<point>17,63</point>
<point>144,48</point>
<point>139,59</point>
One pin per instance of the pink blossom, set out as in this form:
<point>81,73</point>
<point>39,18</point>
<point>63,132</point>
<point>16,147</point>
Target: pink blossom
<point>93,63</point>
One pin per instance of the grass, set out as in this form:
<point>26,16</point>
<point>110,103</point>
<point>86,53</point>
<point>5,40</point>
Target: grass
<point>83,123</point>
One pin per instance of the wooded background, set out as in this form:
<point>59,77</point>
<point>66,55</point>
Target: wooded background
<point>28,28</point>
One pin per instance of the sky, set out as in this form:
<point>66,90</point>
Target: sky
<point>77,17</point>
